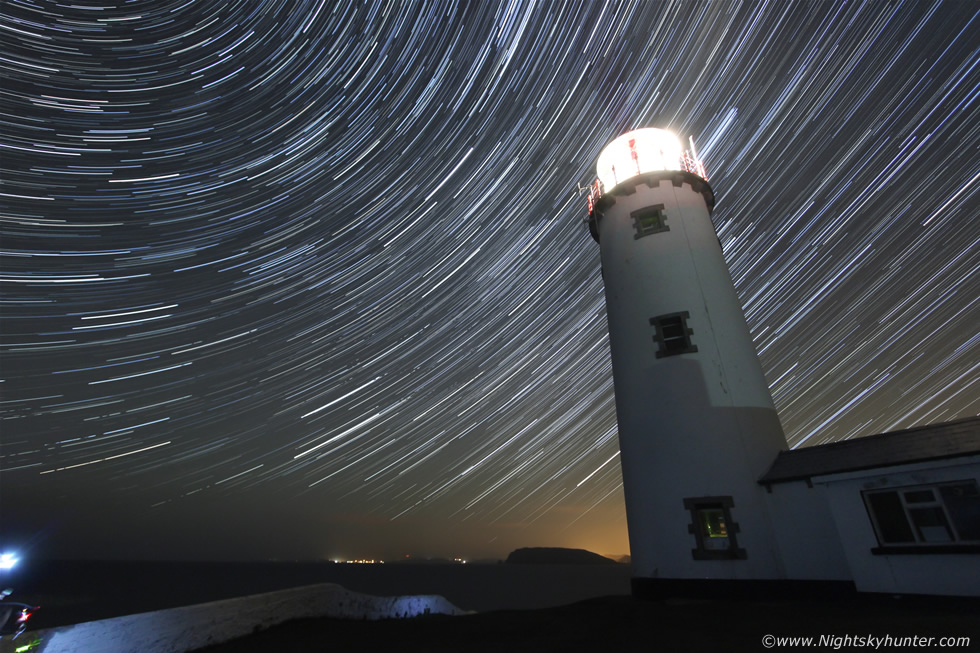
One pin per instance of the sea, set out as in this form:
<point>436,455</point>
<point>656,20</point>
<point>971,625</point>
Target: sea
<point>74,591</point>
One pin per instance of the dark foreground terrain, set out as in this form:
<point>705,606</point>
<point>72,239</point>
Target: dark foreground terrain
<point>515,608</point>
<point>71,592</point>
<point>620,623</point>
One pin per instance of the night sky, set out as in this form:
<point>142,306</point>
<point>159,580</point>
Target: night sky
<point>301,280</point>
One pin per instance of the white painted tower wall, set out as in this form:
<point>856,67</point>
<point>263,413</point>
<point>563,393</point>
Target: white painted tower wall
<point>691,425</point>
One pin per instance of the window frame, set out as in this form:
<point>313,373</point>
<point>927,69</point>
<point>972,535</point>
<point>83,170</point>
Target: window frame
<point>920,542</point>
<point>654,210</point>
<point>663,351</point>
<point>694,505</point>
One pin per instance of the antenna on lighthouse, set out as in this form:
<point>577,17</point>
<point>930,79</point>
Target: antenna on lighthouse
<point>697,159</point>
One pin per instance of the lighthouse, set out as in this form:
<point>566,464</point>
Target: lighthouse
<point>697,425</point>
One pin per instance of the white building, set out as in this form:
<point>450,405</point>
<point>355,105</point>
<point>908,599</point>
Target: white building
<point>896,513</point>
<point>698,429</point>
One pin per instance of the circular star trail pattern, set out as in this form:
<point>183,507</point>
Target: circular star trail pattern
<point>324,265</point>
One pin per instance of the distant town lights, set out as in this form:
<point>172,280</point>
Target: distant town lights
<point>638,152</point>
<point>359,561</point>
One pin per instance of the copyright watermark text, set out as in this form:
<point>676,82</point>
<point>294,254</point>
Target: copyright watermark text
<point>873,642</point>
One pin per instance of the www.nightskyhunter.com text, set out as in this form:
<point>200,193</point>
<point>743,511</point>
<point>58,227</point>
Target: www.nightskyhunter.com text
<point>873,642</point>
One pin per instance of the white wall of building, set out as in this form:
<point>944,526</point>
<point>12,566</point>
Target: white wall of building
<point>809,544</point>
<point>953,574</point>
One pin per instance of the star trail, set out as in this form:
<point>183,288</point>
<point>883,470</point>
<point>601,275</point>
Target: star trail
<point>308,278</point>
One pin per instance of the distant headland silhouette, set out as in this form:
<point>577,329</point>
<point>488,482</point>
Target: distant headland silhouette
<point>557,556</point>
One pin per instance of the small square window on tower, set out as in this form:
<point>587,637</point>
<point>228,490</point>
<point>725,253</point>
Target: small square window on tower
<point>713,529</point>
<point>649,220</point>
<point>673,335</point>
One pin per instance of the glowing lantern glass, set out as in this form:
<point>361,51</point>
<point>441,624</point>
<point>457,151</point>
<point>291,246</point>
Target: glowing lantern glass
<point>638,152</point>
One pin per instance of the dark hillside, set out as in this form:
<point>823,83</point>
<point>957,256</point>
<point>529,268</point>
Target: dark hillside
<point>557,556</point>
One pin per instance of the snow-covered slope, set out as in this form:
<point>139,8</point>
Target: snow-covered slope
<point>184,629</point>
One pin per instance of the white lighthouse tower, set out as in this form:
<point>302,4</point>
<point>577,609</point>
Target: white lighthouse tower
<point>697,425</point>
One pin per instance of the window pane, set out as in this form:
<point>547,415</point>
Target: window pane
<point>714,532</point>
<point>893,527</point>
<point>919,496</point>
<point>963,504</point>
<point>673,335</point>
<point>672,327</point>
<point>649,220</point>
<point>931,524</point>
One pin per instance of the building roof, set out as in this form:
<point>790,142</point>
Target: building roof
<point>919,444</point>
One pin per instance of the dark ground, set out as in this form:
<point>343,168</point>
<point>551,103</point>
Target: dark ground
<point>75,591</point>
<point>620,623</point>
<point>514,605</point>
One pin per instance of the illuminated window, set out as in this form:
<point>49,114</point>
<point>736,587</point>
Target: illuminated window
<point>713,529</point>
<point>673,335</point>
<point>926,515</point>
<point>649,220</point>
